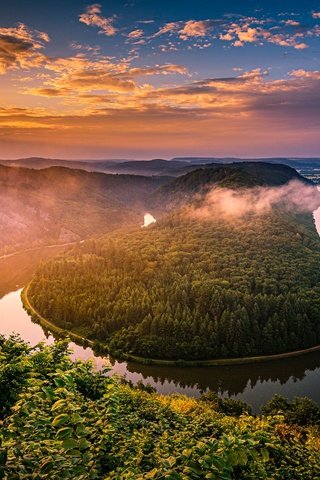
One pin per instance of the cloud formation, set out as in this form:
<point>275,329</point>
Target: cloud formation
<point>20,48</point>
<point>92,17</point>
<point>148,96</point>
<point>194,28</point>
<point>242,30</point>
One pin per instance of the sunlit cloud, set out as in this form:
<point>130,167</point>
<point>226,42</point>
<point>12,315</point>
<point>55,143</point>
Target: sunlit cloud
<point>150,95</point>
<point>291,23</point>
<point>92,17</point>
<point>242,33</point>
<point>243,30</point>
<point>135,34</point>
<point>194,28</point>
<point>169,28</point>
<point>20,48</point>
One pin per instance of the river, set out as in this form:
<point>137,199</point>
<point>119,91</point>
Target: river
<point>253,383</point>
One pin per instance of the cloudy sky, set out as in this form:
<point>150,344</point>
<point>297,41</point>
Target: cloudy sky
<point>145,79</point>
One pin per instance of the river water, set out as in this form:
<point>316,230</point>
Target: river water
<point>253,383</point>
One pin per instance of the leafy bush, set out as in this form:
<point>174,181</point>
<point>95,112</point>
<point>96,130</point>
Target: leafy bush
<point>301,411</point>
<point>67,422</point>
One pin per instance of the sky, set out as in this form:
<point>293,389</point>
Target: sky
<point>145,79</point>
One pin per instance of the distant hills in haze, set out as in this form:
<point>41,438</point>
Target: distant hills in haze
<point>44,204</point>
<point>61,205</point>
<point>174,167</point>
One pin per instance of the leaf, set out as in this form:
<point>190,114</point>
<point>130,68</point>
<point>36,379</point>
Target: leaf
<point>59,382</point>
<point>49,392</point>
<point>58,404</point>
<point>46,466</point>
<point>69,444</point>
<point>64,432</point>
<point>265,454</point>
<point>76,418</point>
<point>243,458</point>
<point>74,453</point>
<point>60,419</point>
<point>84,444</point>
<point>187,452</point>
<point>80,429</point>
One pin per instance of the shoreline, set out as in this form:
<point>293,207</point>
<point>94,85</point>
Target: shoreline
<point>160,362</point>
<point>40,247</point>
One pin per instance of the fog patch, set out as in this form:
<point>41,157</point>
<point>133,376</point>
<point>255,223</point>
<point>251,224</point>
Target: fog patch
<point>236,204</point>
<point>148,220</point>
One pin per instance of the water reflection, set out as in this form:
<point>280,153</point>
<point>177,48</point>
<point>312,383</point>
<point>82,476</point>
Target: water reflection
<point>254,383</point>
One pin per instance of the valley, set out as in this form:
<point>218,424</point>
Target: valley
<point>60,205</point>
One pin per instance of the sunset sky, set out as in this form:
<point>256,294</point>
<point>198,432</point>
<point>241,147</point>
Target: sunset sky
<point>145,79</point>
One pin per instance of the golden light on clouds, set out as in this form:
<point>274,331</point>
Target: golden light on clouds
<point>104,105</point>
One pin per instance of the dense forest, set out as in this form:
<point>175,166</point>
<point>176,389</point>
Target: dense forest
<point>193,288</point>
<point>190,289</point>
<point>61,420</point>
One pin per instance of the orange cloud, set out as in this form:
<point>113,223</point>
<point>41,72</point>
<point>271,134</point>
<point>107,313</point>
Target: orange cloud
<point>240,34</point>
<point>169,27</point>
<point>92,17</point>
<point>135,34</point>
<point>194,28</point>
<point>19,48</point>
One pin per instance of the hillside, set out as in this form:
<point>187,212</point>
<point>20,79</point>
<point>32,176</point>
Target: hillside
<point>202,283</point>
<point>236,175</point>
<point>61,420</point>
<point>60,205</point>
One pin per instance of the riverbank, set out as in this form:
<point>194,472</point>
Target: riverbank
<point>49,325</point>
<point>151,361</point>
<point>40,247</point>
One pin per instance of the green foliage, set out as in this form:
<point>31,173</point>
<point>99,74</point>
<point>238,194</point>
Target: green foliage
<point>67,422</point>
<point>186,289</point>
<point>228,406</point>
<point>301,411</point>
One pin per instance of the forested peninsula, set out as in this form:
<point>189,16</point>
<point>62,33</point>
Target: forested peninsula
<point>194,288</point>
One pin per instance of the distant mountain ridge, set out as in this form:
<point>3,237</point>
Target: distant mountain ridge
<point>175,167</point>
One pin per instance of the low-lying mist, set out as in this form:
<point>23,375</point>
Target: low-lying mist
<point>235,204</point>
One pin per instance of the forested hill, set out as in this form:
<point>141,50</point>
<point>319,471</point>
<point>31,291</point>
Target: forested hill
<point>192,288</point>
<point>57,205</point>
<point>235,175</point>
